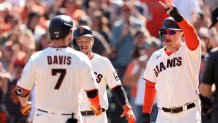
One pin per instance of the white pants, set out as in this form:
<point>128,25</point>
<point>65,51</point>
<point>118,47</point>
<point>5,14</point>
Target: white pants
<point>43,117</point>
<point>192,115</point>
<point>95,119</point>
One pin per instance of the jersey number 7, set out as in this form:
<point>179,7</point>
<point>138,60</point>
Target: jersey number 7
<point>61,78</point>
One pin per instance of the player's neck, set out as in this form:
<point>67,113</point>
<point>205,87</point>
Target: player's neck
<point>173,49</point>
<point>90,55</point>
<point>58,43</point>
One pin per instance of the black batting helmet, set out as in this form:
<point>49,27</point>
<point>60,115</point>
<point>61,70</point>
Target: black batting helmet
<point>60,26</point>
<point>170,23</point>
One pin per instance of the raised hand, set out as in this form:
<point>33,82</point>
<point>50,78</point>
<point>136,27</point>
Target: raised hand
<point>168,6</point>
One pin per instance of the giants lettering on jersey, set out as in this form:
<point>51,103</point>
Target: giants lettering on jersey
<point>98,77</point>
<point>169,64</point>
<point>61,60</point>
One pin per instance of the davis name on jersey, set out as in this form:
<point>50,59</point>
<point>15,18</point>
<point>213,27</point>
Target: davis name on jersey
<point>62,60</point>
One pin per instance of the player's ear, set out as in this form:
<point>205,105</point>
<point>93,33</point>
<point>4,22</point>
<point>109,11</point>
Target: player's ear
<point>182,33</point>
<point>69,37</point>
<point>93,41</point>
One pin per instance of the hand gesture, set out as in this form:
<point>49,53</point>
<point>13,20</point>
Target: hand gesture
<point>128,113</point>
<point>25,110</point>
<point>168,6</point>
<point>97,110</point>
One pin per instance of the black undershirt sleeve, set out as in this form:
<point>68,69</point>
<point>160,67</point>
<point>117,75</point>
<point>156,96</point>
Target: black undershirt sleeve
<point>120,95</point>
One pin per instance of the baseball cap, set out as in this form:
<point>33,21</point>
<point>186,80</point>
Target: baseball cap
<point>214,18</point>
<point>82,31</point>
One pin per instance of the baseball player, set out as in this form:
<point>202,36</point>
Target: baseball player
<point>172,72</point>
<point>105,75</point>
<point>59,74</point>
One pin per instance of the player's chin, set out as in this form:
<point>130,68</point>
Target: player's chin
<point>83,52</point>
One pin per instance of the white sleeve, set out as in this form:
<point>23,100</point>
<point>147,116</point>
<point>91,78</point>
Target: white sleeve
<point>195,55</point>
<point>112,78</point>
<point>28,75</point>
<point>88,77</point>
<point>149,73</point>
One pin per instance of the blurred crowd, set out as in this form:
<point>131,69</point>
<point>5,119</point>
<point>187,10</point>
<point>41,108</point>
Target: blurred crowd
<point>125,31</point>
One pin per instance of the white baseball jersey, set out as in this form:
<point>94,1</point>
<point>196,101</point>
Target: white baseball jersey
<point>105,75</point>
<point>176,76</point>
<point>59,75</point>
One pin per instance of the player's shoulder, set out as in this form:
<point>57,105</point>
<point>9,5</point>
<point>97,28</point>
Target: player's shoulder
<point>77,55</point>
<point>157,54</point>
<point>99,58</point>
<point>36,54</point>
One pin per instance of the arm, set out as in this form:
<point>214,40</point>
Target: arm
<point>122,99</point>
<point>205,89</point>
<point>191,38</point>
<point>149,98</point>
<point>206,85</point>
<point>23,96</point>
<point>94,100</point>
<point>117,89</point>
<point>120,95</point>
<point>206,103</point>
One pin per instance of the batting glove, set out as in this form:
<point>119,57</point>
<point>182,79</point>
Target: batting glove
<point>97,110</point>
<point>25,110</point>
<point>128,113</point>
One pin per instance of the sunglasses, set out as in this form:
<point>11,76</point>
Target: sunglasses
<point>165,32</point>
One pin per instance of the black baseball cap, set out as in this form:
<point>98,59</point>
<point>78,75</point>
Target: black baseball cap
<point>214,18</point>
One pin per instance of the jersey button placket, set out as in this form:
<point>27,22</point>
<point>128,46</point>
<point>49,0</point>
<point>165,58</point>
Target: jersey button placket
<point>168,91</point>
<point>170,87</point>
